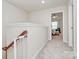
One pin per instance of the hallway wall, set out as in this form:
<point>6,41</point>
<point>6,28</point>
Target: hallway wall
<point>27,48</point>
<point>44,17</point>
<point>11,14</point>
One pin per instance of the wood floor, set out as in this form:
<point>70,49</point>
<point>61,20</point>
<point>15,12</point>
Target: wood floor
<point>56,49</point>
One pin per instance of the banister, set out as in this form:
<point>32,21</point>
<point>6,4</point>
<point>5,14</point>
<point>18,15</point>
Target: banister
<point>23,34</point>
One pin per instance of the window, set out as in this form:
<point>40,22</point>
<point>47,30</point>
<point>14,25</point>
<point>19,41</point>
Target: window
<point>54,25</point>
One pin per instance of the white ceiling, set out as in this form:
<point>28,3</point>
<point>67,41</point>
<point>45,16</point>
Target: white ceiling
<point>33,5</point>
<point>59,16</point>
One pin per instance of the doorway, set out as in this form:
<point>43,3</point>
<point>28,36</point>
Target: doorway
<point>57,25</point>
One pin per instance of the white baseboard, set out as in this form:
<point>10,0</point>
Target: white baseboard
<point>37,53</point>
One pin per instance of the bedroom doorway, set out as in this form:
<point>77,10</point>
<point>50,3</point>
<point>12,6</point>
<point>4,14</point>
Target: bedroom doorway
<point>57,25</point>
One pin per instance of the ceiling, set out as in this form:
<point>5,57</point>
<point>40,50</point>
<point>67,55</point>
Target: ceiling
<point>33,5</point>
<point>58,16</point>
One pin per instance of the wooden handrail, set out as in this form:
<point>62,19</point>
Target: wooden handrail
<point>24,33</point>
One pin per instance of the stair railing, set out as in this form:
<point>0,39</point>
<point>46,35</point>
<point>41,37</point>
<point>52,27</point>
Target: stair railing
<point>22,35</point>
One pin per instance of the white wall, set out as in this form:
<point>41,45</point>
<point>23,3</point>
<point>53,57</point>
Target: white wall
<point>11,14</point>
<point>44,17</point>
<point>37,37</point>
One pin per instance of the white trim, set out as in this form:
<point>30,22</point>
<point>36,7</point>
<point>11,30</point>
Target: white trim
<point>63,21</point>
<point>37,53</point>
<point>25,25</point>
<point>75,28</point>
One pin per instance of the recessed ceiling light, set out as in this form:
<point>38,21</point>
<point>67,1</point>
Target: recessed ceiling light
<point>42,1</point>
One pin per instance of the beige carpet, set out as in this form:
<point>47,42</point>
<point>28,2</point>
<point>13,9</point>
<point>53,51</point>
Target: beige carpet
<point>56,49</point>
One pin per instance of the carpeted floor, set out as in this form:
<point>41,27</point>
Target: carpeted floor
<point>56,49</point>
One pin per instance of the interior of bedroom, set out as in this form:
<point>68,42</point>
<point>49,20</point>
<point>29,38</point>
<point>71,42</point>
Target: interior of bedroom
<point>57,24</point>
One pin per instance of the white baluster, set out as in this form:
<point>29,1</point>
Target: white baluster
<point>15,57</point>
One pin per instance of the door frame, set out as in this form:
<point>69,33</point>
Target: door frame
<point>51,22</point>
<point>57,11</point>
